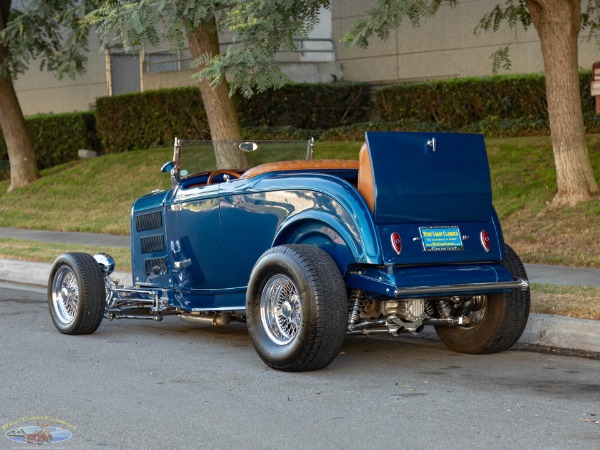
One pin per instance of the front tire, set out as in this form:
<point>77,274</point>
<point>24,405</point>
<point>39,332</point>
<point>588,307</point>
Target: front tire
<point>76,294</point>
<point>297,308</point>
<point>504,318</point>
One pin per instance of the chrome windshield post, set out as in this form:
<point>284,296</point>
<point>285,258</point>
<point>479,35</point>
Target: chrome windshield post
<point>310,148</point>
<point>176,161</point>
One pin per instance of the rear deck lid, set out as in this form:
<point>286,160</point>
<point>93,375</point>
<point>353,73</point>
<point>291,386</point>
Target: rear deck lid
<point>429,178</point>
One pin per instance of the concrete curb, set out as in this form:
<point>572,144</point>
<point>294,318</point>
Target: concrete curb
<point>544,330</point>
<point>541,330</point>
<point>562,332</point>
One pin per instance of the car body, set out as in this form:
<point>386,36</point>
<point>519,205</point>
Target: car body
<point>309,250</point>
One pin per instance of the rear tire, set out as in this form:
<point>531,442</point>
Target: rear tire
<point>76,294</point>
<point>503,322</point>
<point>297,308</point>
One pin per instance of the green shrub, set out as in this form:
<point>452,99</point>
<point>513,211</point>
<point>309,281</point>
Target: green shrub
<point>147,119</point>
<point>356,132</point>
<point>592,123</point>
<point>4,170</point>
<point>57,137</point>
<point>151,118</point>
<point>279,133</point>
<point>461,102</point>
<point>307,106</point>
<point>494,126</point>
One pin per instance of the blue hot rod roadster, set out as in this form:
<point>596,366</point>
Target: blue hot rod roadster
<point>308,250</point>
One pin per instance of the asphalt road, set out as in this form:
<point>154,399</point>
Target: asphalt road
<point>175,385</point>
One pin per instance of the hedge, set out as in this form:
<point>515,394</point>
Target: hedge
<point>146,119</point>
<point>491,126</point>
<point>150,118</point>
<point>461,102</point>
<point>286,133</point>
<point>57,137</point>
<point>356,132</point>
<point>307,106</point>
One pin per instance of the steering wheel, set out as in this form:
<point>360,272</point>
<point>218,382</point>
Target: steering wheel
<point>222,171</point>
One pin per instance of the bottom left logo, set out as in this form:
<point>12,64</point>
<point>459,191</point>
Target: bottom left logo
<point>39,434</point>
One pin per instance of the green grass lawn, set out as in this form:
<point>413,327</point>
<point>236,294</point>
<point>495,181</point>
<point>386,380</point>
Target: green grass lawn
<point>524,183</point>
<point>48,251</point>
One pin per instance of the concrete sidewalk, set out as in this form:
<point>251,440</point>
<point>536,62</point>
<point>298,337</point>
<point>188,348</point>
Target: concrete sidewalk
<point>95,239</point>
<point>542,330</point>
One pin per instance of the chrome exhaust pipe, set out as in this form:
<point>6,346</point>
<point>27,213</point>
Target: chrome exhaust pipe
<point>207,319</point>
<point>448,322</point>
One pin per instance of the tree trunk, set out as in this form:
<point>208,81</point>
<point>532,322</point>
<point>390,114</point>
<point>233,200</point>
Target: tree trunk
<point>220,111</point>
<point>23,166</point>
<point>558,25</point>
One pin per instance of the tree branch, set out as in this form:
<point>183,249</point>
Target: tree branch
<point>4,13</point>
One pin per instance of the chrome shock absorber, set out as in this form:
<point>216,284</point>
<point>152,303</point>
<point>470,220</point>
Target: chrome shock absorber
<point>430,308</point>
<point>357,299</point>
<point>444,307</point>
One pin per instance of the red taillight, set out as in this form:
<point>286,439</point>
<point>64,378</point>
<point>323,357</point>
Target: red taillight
<point>484,237</point>
<point>396,242</point>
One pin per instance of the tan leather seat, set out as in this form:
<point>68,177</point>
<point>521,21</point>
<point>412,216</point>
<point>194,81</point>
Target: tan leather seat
<point>300,164</point>
<point>365,177</point>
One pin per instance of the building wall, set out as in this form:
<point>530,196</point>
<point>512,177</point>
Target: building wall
<point>442,47</point>
<point>40,91</point>
<point>314,62</point>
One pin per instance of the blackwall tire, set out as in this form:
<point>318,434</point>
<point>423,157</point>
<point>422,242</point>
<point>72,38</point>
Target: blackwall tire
<point>503,322</point>
<point>297,308</point>
<point>76,294</point>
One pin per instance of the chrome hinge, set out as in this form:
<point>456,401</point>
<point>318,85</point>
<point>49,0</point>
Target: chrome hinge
<point>182,264</point>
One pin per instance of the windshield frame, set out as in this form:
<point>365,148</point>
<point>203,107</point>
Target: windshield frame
<point>255,146</point>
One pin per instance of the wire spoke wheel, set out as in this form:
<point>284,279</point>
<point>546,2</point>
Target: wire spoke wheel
<point>65,295</point>
<point>281,310</point>
<point>296,308</point>
<point>76,293</point>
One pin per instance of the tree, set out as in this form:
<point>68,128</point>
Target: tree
<point>259,29</point>
<point>23,166</point>
<point>49,32</point>
<point>558,24</point>
<point>137,24</point>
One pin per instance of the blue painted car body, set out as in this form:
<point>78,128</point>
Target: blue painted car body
<point>201,241</point>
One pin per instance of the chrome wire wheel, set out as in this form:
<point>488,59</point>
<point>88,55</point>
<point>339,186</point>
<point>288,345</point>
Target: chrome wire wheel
<point>296,308</point>
<point>280,309</point>
<point>65,296</point>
